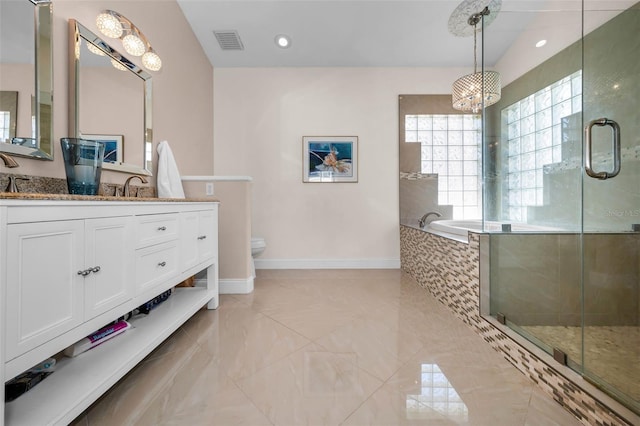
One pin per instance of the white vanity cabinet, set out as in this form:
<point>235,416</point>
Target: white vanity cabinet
<point>68,267</point>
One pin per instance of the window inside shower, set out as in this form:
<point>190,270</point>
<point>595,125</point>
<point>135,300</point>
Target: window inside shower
<point>535,139</point>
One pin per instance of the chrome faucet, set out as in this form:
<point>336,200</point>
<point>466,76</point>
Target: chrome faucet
<point>8,161</point>
<point>126,192</point>
<point>423,219</point>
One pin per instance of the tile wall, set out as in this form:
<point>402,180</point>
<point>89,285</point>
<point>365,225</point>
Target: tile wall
<point>535,278</point>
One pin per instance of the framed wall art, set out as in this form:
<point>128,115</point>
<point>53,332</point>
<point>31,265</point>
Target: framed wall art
<point>112,146</point>
<point>330,159</point>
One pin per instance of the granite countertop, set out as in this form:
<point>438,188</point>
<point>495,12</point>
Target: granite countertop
<point>72,197</point>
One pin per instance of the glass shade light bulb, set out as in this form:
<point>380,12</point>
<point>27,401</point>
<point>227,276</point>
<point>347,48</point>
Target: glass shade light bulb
<point>133,45</point>
<point>152,61</point>
<point>117,65</point>
<point>94,49</point>
<point>109,24</point>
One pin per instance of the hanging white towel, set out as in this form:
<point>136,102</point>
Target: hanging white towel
<point>169,183</point>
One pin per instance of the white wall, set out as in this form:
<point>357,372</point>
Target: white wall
<point>260,117</point>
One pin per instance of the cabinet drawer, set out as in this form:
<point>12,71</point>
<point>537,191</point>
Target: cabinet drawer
<point>156,228</point>
<point>155,265</point>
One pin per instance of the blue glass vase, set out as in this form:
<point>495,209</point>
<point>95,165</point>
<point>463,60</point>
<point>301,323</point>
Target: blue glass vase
<point>83,165</point>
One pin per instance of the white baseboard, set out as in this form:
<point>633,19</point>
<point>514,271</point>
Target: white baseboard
<point>236,285</point>
<point>327,263</point>
<point>232,285</point>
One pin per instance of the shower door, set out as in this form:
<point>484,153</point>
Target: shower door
<point>611,202</point>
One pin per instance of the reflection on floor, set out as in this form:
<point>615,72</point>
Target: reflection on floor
<point>437,394</point>
<point>611,353</point>
<point>343,347</point>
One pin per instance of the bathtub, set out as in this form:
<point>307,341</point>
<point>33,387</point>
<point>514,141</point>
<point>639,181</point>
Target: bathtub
<point>461,228</point>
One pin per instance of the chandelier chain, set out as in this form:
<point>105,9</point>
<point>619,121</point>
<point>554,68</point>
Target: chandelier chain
<point>475,60</point>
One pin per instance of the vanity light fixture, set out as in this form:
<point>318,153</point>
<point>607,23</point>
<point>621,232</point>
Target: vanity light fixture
<point>541,43</point>
<point>283,41</point>
<point>474,91</point>
<point>114,25</point>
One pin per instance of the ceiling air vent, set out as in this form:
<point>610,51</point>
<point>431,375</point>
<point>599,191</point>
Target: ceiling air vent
<point>229,40</point>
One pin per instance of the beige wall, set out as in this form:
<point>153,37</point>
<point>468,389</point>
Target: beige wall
<point>182,90</point>
<point>261,116</point>
<point>234,225</point>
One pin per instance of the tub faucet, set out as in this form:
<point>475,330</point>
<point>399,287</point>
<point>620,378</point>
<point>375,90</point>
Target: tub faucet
<point>126,192</point>
<point>8,161</point>
<point>423,219</point>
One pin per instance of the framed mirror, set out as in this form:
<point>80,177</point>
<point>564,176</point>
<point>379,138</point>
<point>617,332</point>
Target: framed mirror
<point>26,79</point>
<point>110,101</point>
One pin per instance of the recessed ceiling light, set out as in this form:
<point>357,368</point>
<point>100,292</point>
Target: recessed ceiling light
<point>541,43</point>
<point>283,41</point>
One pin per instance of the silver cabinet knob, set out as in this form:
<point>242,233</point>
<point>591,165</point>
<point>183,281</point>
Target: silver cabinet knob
<point>162,228</point>
<point>163,264</point>
<point>202,237</point>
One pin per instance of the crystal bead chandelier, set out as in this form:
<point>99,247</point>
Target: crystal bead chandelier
<point>474,91</point>
<point>114,25</point>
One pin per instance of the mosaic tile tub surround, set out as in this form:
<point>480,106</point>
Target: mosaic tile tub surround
<point>450,271</point>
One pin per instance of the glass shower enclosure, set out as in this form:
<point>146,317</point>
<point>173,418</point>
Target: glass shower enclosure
<point>562,154</point>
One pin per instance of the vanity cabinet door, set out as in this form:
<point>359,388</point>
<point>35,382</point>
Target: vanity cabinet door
<point>199,236</point>
<point>188,240</point>
<point>109,256</point>
<point>207,234</point>
<point>44,291</point>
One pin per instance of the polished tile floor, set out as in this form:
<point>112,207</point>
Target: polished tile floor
<point>330,347</point>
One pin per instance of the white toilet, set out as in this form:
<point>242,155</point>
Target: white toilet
<point>257,247</point>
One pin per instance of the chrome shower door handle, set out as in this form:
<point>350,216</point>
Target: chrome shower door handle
<point>588,148</point>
